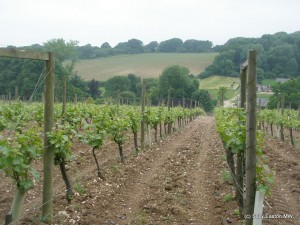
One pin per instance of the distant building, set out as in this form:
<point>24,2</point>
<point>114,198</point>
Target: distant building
<point>281,80</point>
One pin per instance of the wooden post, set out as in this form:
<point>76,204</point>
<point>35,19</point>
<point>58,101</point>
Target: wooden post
<point>143,112</point>
<point>47,209</point>
<point>282,113</point>
<point>64,98</point>
<point>222,97</point>
<point>16,92</point>
<point>118,97</point>
<point>169,97</point>
<point>243,78</point>
<point>251,137</point>
<point>169,106</point>
<point>239,192</point>
<point>148,135</point>
<point>75,99</point>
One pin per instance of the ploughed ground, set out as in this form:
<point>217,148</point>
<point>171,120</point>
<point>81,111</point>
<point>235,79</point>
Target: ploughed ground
<point>176,181</point>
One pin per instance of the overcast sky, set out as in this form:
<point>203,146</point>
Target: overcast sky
<point>26,22</point>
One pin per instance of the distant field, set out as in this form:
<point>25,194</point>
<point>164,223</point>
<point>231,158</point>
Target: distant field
<point>268,81</point>
<point>144,65</point>
<point>213,83</point>
<point>264,95</point>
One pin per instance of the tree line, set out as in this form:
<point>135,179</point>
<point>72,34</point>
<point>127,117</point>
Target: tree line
<point>135,46</point>
<point>286,95</point>
<point>278,56</point>
<point>26,74</point>
<point>174,80</point>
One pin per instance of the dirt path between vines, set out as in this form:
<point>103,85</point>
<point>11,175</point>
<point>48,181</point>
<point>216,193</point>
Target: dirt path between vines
<point>177,181</point>
<point>180,182</point>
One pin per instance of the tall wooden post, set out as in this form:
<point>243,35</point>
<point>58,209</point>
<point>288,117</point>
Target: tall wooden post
<point>169,99</point>
<point>75,99</point>
<point>251,137</point>
<point>16,92</point>
<point>143,112</point>
<point>47,209</point>
<point>282,112</point>
<point>243,79</point>
<point>240,155</point>
<point>118,97</point>
<point>64,98</point>
<point>169,106</point>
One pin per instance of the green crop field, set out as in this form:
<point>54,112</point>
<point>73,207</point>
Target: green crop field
<point>213,83</point>
<point>144,65</point>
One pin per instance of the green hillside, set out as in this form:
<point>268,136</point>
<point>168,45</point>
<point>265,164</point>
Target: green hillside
<point>144,65</point>
<point>213,83</point>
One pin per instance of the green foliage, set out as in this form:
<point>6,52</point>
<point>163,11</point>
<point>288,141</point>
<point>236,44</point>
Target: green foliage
<point>3,123</point>
<point>226,176</point>
<point>115,168</point>
<point>204,98</point>
<point>134,46</point>
<point>26,73</point>
<point>277,56</point>
<point>95,132</point>
<point>290,90</point>
<point>231,128</point>
<point>16,155</point>
<point>61,137</point>
<point>94,90</point>
<point>236,212</point>
<point>141,219</point>
<point>79,188</point>
<point>290,118</point>
<point>151,47</point>
<point>119,124</point>
<point>116,84</point>
<point>128,86</point>
<point>135,118</point>
<point>171,45</point>
<point>178,80</point>
<point>63,50</point>
<point>228,197</point>
<point>196,46</point>
<point>23,73</point>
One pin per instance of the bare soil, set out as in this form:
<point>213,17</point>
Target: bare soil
<point>176,181</point>
<point>284,159</point>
